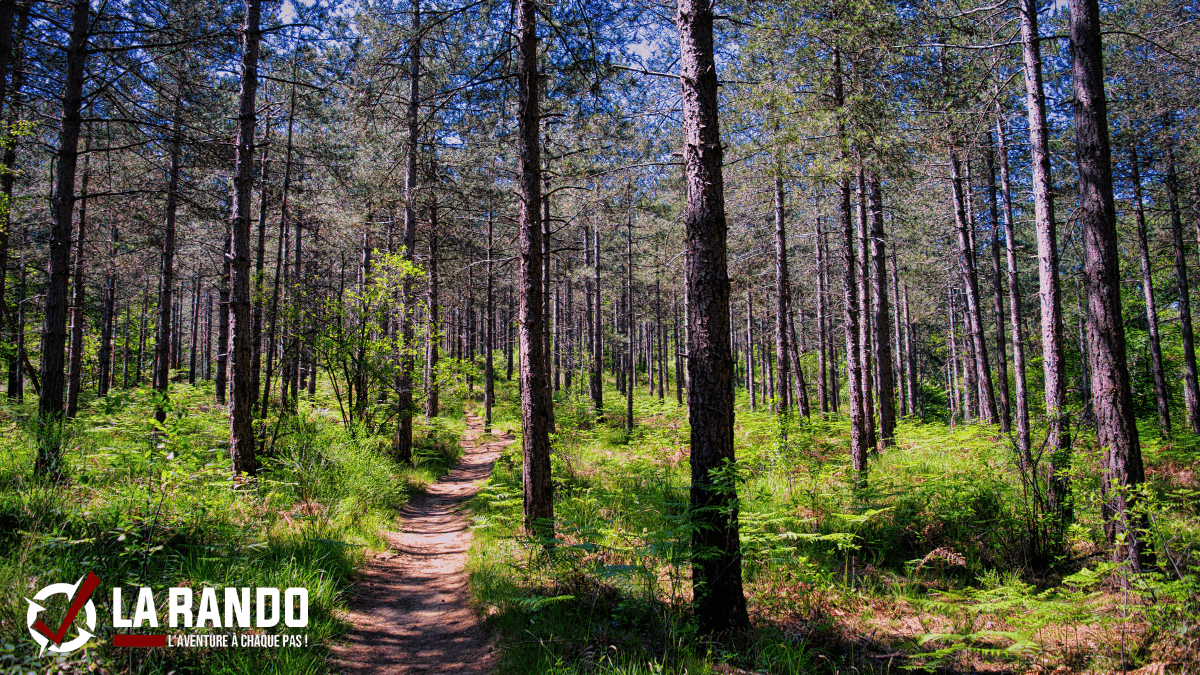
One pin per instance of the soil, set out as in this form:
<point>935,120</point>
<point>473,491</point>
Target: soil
<point>411,610</point>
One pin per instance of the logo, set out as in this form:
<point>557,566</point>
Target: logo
<point>80,594</point>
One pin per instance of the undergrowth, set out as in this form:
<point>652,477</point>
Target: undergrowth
<point>928,570</point>
<point>159,508</point>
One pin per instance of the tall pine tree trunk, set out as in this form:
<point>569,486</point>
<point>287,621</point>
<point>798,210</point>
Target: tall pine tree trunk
<point>241,414</point>
<point>435,326</point>
<point>717,558</point>
<point>166,278</point>
<point>782,291</point>
<point>536,403</point>
<point>1049,292</point>
<point>402,444</point>
<point>1116,425</point>
<point>883,321</point>
<point>54,328</point>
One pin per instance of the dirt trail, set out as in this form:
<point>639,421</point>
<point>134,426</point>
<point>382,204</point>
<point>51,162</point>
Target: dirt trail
<point>411,610</point>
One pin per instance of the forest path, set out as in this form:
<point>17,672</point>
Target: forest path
<point>411,608</point>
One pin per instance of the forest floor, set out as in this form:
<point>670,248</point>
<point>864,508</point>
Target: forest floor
<point>411,607</point>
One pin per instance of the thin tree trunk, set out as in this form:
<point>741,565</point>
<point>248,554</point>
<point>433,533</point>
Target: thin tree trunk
<point>107,320</point>
<point>822,327</point>
<point>717,573</point>
<point>629,328</point>
<point>1014,297</point>
<point>281,251</point>
<point>1116,425</point>
<point>863,342</point>
<point>1162,402</point>
<point>974,320</point>
<point>195,329</point>
<point>434,332</point>
<point>883,321</point>
<point>1191,392</point>
<point>166,281</point>
<point>402,443</point>
<point>54,327</point>
<point>859,438</point>
<point>1004,406</point>
<point>596,380</point>
<point>256,335</point>
<point>750,351</point>
<point>223,323</point>
<point>910,361</point>
<point>489,388</point>
<point>16,382</point>
<point>782,292</point>
<point>75,362</point>
<point>241,414</point>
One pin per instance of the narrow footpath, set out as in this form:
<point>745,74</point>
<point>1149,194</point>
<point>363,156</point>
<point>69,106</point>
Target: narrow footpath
<point>411,609</point>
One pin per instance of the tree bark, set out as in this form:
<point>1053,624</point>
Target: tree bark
<point>107,319</point>
<point>1054,364</point>
<point>1162,402</point>
<point>883,320</point>
<point>822,327</point>
<point>75,361</point>
<point>432,388</point>
<point>859,443</point>
<point>1014,297</point>
<point>54,328</point>
<point>782,291</point>
<point>596,380</point>
<point>1191,391</point>
<point>1004,407</point>
<point>536,403</point>
<point>489,387</point>
<point>974,319</point>
<point>1112,396</point>
<point>166,278</point>
<point>241,414</point>
<point>402,444</point>
<point>717,558</point>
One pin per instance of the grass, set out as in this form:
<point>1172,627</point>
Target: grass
<point>161,509</point>
<point>929,570</point>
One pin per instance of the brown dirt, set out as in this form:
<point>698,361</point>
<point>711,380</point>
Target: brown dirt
<point>411,610</point>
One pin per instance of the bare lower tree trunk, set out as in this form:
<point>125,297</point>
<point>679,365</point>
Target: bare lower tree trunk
<point>75,362</point>
<point>222,324</point>
<point>1116,425</point>
<point>536,403</point>
<point>256,335</point>
<point>1191,392</point>
<point>166,278</point>
<point>489,388</point>
<point>1014,297</point>
<point>54,327</point>
<point>241,414</point>
<point>782,291</point>
<point>822,321</point>
<point>1004,406</point>
<point>1054,364</point>
<point>859,438</point>
<point>281,252</point>
<point>717,558</point>
<point>1162,402</point>
<point>596,381</point>
<point>910,361</point>
<point>629,328</point>
<point>883,320</point>
<point>863,343</point>
<point>435,326</point>
<point>195,329</point>
<point>982,370</point>
<point>402,443</point>
<point>750,353</point>
<point>107,320</point>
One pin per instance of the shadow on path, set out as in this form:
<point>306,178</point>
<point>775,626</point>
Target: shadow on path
<point>411,610</point>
